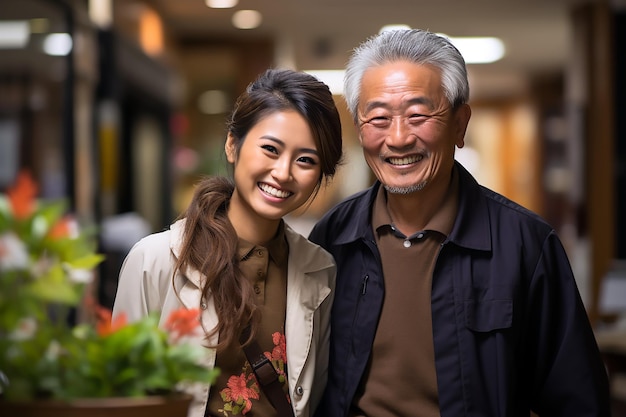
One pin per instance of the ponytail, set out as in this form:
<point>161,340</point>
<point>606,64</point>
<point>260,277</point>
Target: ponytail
<point>210,246</point>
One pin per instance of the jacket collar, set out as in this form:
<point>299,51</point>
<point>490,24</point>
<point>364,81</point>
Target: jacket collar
<point>302,261</point>
<point>305,258</point>
<point>359,226</point>
<point>471,229</point>
<point>176,245</point>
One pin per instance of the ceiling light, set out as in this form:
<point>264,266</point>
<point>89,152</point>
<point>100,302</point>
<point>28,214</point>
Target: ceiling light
<point>101,12</point>
<point>478,49</point>
<point>247,19</point>
<point>14,34</point>
<point>57,44</point>
<point>332,78</point>
<point>221,4</point>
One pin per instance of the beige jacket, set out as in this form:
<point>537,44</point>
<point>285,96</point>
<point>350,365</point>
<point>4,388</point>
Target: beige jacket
<point>145,285</point>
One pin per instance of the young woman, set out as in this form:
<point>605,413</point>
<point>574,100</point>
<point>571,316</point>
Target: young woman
<point>232,255</point>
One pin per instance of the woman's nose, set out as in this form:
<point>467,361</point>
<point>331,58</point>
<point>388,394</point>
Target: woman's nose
<point>282,170</point>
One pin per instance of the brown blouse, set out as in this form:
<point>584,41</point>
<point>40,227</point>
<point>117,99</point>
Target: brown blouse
<point>236,390</point>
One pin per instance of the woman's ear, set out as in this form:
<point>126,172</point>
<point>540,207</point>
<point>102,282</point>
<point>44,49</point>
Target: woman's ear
<point>230,148</point>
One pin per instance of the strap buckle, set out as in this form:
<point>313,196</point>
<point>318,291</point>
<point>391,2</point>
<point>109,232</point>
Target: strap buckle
<point>264,370</point>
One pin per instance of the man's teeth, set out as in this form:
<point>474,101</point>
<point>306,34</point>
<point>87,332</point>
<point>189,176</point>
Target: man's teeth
<point>274,191</point>
<point>404,161</point>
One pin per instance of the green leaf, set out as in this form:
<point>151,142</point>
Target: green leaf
<point>6,215</point>
<point>86,262</point>
<point>53,286</point>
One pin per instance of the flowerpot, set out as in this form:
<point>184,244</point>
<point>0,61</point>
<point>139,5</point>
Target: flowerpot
<point>153,406</point>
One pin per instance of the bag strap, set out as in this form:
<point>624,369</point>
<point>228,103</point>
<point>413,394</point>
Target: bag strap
<point>266,375</point>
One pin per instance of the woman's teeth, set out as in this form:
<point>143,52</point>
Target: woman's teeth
<point>275,192</point>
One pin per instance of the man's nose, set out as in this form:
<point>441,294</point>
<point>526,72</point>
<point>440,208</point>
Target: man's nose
<point>399,135</point>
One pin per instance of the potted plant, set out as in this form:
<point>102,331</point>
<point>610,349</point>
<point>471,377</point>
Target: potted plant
<point>50,359</point>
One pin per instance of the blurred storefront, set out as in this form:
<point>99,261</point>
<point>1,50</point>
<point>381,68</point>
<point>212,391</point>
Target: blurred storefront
<point>107,110</point>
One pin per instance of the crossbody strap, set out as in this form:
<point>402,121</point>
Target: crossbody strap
<point>266,375</point>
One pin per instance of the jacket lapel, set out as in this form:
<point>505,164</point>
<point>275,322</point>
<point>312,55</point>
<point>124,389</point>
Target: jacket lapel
<point>305,293</point>
<point>306,290</point>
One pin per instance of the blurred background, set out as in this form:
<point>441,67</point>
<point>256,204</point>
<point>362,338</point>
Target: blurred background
<point>120,107</point>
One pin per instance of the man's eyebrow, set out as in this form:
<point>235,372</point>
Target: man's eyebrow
<point>381,104</point>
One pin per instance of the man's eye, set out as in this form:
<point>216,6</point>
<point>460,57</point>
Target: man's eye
<point>379,121</point>
<point>416,119</point>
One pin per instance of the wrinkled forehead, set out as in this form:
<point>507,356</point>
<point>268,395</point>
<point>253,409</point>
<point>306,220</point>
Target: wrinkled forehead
<point>400,85</point>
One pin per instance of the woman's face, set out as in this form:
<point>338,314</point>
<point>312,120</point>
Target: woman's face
<point>276,169</point>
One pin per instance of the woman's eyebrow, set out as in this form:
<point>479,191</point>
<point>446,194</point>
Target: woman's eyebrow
<point>282,144</point>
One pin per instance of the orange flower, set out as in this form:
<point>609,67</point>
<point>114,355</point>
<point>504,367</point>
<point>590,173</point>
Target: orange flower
<point>182,322</point>
<point>60,229</point>
<point>22,195</point>
<point>105,324</point>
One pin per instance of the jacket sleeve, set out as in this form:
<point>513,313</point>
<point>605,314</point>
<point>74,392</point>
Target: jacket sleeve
<point>140,279</point>
<point>570,378</point>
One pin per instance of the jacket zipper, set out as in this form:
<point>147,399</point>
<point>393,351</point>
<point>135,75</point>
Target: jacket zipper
<point>363,290</point>
<point>364,286</point>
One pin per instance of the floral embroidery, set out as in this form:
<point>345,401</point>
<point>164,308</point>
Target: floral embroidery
<point>242,389</point>
<point>278,357</point>
<point>238,393</point>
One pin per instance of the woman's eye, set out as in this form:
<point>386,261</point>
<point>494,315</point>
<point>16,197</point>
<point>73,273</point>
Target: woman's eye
<point>307,160</point>
<point>270,148</point>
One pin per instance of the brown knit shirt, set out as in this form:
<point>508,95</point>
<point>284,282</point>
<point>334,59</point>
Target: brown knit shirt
<point>400,379</point>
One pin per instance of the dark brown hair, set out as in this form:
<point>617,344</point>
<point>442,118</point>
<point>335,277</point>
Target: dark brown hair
<point>210,241</point>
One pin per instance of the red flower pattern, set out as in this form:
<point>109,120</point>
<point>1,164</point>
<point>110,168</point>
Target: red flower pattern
<point>242,389</point>
<point>237,393</point>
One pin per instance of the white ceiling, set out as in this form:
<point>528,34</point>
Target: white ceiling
<point>320,33</point>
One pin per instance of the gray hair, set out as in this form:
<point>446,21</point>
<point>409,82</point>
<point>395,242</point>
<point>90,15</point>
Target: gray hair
<point>413,45</point>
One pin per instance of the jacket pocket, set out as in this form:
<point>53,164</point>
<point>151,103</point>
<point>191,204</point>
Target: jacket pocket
<point>488,315</point>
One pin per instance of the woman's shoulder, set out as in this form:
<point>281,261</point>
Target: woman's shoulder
<point>154,241</point>
<point>156,247</point>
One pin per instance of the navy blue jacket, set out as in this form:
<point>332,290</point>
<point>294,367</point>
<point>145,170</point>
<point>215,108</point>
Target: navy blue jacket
<point>510,331</point>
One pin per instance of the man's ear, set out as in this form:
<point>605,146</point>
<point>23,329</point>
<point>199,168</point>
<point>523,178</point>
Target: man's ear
<point>357,127</point>
<point>461,119</point>
<point>230,148</point>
